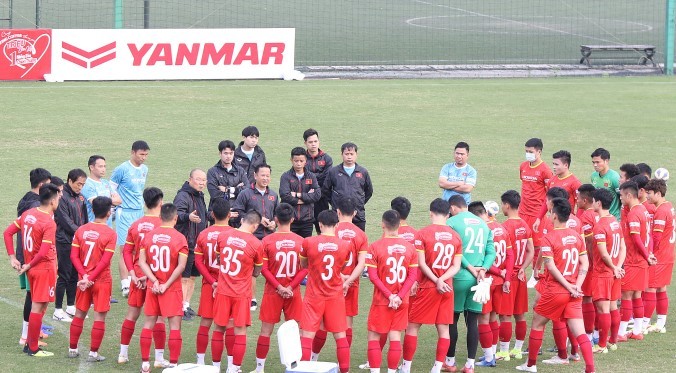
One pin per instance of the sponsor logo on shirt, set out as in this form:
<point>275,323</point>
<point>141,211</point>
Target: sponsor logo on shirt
<point>408,236</point>
<point>237,242</point>
<point>211,236</point>
<point>600,236</point>
<point>520,231</point>
<point>571,223</point>
<point>614,225</point>
<point>285,244</point>
<point>146,227</point>
<point>498,231</point>
<point>472,221</point>
<point>328,246</point>
<point>396,249</point>
<point>443,236</point>
<point>321,163</point>
<point>346,234</point>
<point>161,238</point>
<point>30,219</point>
<point>90,235</point>
<point>569,240</point>
<point>529,178</point>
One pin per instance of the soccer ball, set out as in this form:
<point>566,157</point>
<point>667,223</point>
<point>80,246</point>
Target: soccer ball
<point>662,174</point>
<point>492,207</point>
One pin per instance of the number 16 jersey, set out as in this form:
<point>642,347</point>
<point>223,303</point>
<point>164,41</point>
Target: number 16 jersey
<point>326,255</point>
<point>440,244</point>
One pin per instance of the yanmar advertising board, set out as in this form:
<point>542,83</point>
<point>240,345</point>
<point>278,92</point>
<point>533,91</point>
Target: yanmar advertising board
<point>160,54</point>
<point>25,54</point>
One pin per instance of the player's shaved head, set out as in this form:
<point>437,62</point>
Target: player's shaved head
<point>561,209</point>
<point>346,206</point>
<point>477,208</point>
<point>401,205</point>
<point>101,206</point>
<point>220,208</point>
<point>152,197</point>
<point>391,220</point>
<point>168,212</point>
<point>251,218</point>
<point>440,207</point>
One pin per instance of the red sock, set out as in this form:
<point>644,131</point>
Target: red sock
<point>505,331</point>
<point>588,316</point>
<point>262,347</point>
<point>239,349</point>
<point>521,328</point>
<point>374,354</point>
<point>175,344</point>
<point>343,354</point>
<point>574,346</point>
<point>410,345</point>
<point>202,340</point>
<point>159,335</point>
<point>649,304</point>
<point>560,332</point>
<point>34,326</point>
<point>495,329</point>
<point>229,340</point>
<point>306,344</point>
<point>614,325</point>
<point>75,331</point>
<point>217,345</point>
<point>485,336</point>
<point>662,301</point>
<point>587,354</point>
<point>534,344</point>
<point>442,347</point>
<point>146,341</point>
<point>382,341</point>
<point>318,342</point>
<point>98,331</point>
<point>394,355</point>
<point>626,308</point>
<point>348,335</point>
<point>604,328</point>
<point>127,331</point>
<point>638,308</point>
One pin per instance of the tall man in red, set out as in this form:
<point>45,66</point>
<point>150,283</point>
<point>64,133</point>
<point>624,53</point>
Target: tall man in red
<point>38,232</point>
<point>588,219</point>
<point>93,248</point>
<point>324,256</point>
<point>241,258</point>
<point>162,258</point>
<point>393,268</point>
<point>562,178</point>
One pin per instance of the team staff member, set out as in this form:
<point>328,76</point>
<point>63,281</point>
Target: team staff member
<point>225,179</point>
<point>192,220</point>
<point>129,180</point>
<point>71,214</point>
<point>319,163</point>
<point>349,180</point>
<point>248,154</point>
<point>97,186</point>
<point>458,178</point>
<point>604,177</point>
<point>300,189</point>
<point>260,198</point>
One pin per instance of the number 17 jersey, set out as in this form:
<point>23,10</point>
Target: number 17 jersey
<point>440,244</point>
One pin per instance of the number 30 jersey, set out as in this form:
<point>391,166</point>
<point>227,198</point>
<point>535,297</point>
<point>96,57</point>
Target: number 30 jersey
<point>392,257</point>
<point>162,246</point>
<point>440,244</point>
<point>239,253</point>
<point>326,255</point>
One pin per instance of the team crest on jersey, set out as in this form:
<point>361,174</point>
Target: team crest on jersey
<point>443,236</point>
<point>271,198</point>
<point>472,221</point>
<point>30,219</point>
<point>346,233</point>
<point>321,163</point>
<point>308,181</point>
<point>81,199</point>
<point>211,236</point>
<point>161,238</point>
<point>569,240</point>
<point>396,249</point>
<point>90,235</point>
<point>235,241</point>
<point>520,231</point>
<point>285,244</point>
<point>605,184</point>
<point>358,174</point>
<point>327,246</point>
<point>408,236</point>
<point>146,227</point>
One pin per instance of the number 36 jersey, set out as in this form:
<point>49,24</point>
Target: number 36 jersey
<point>440,244</point>
<point>392,257</point>
<point>162,246</point>
<point>239,253</point>
<point>326,255</point>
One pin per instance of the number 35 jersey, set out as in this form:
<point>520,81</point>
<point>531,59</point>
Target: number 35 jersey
<point>440,244</point>
<point>326,255</point>
<point>239,253</point>
<point>162,246</point>
<point>392,257</point>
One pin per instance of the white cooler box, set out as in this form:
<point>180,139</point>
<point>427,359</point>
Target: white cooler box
<point>290,352</point>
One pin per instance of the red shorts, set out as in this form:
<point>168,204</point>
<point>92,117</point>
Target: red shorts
<point>168,304</point>
<point>352,301</point>
<point>635,278</point>
<point>137,297</point>
<point>588,285</point>
<point>236,308</point>
<point>537,236</point>
<point>383,319</point>
<point>659,275</point>
<point>429,307</point>
<point>559,306</point>
<point>206,308</point>
<point>607,288</point>
<point>330,311</point>
<point>43,282</point>
<point>272,306</point>
<point>494,304</point>
<point>99,295</point>
<point>518,297</point>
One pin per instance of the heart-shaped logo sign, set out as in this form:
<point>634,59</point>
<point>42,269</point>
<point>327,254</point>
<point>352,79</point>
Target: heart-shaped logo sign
<point>27,54</point>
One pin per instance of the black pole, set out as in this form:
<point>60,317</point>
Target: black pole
<point>146,13</point>
<point>37,13</point>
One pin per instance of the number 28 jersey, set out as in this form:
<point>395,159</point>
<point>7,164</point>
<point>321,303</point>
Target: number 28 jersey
<point>162,246</point>
<point>392,257</point>
<point>326,255</point>
<point>440,244</point>
<point>239,253</point>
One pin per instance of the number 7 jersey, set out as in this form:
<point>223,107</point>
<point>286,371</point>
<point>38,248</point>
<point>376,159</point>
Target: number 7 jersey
<point>326,255</point>
<point>440,244</point>
<point>92,240</point>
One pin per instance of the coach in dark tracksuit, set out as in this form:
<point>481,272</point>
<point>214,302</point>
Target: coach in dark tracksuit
<point>225,180</point>
<point>349,180</point>
<point>300,188</point>
<point>248,154</point>
<point>69,216</point>
<point>260,198</point>
<point>319,163</point>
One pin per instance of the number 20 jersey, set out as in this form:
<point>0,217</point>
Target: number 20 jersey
<point>440,244</point>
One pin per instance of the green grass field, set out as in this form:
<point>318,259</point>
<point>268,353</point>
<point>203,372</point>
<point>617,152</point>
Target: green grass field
<point>405,131</point>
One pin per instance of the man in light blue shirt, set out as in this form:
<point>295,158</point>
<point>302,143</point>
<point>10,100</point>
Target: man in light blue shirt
<point>128,181</point>
<point>458,178</point>
<point>97,186</point>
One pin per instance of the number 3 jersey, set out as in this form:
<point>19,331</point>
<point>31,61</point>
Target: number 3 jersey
<point>440,244</point>
<point>564,246</point>
<point>326,255</point>
<point>162,246</point>
<point>239,253</point>
<point>281,252</point>
<point>392,257</point>
<point>92,240</point>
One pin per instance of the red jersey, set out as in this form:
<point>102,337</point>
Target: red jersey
<point>92,240</point>
<point>651,210</point>
<point>360,244</point>
<point>609,232</point>
<point>564,246</point>
<point>326,255</point>
<point>519,234</point>
<point>408,233</point>
<point>569,183</point>
<point>162,246</point>
<point>392,257</point>
<point>280,251</point>
<point>38,226</point>
<point>206,248</point>
<point>239,253</point>
<point>440,244</point>
<point>547,226</point>
<point>663,221</point>
<point>136,233</point>
<point>502,244</point>
<point>534,182</point>
<point>637,222</point>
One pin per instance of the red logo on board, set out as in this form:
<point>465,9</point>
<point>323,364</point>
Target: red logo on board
<point>88,59</point>
<point>26,54</point>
